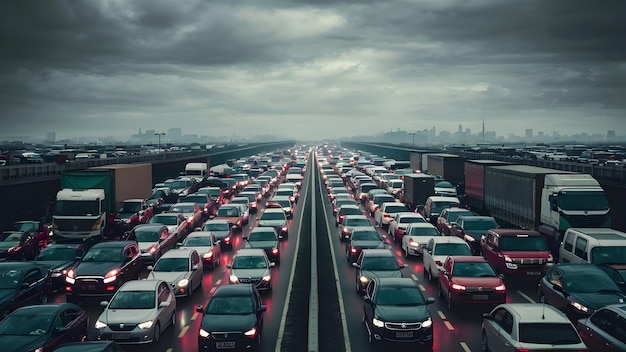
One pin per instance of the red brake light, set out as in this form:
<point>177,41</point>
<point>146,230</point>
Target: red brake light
<point>353,250</point>
<point>438,262</point>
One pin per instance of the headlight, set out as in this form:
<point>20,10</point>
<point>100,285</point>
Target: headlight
<point>203,333</point>
<point>183,283</point>
<point>414,244</point>
<point>100,325</point>
<point>38,349</point>
<point>250,333</point>
<point>267,278</point>
<point>364,279</point>
<point>377,323</point>
<point>234,279</point>
<point>427,323</point>
<point>579,306</point>
<point>145,325</point>
<point>207,255</point>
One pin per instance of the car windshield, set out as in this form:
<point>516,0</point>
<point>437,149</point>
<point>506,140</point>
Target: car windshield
<point>586,283</point>
<point>583,200</point>
<point>470,269</point>
<point>103,254</point>
<point>228,211</point>
<point>172,264</point>
<point>443,184</point>
<point>249,262</point>
<point>24,226</point>
<point>164,220</point>
<point>130,208</point>
<point>365,236</point>
<point>182,209</point>
<point>381,200</point>
<point>399,296</point>
<point>395,209</point>
<point>14,237</point>
<point>437,207</point>
<point>452,249</point>
<point>216,226</point>
<point>271,215</point>
<point>454,215</point>
<point>26,325</point>
<point>133,300</point>
<point>231,305</point>
<point>284,192</point>
<point>340,202</point>
<point>379,263</point>
<point>548,333</point>
<point>285,203</point>
<point>411,219</point>
<point>357,222</point>
<point>530,243</point>
<point>147,236</point>
<point>9,279</point>
<point>482,225</point>
<point>608,255</point>
<point>200,241</point>
<point>350,211</point>
<point>423,231</point>
<point>57,253</point>
<point>262,236</point>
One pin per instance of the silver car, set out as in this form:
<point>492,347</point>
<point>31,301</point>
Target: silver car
<point>138,312</point>
<point>251,266</point>
<point>181,268</point>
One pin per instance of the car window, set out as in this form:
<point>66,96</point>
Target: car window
<point>556,278</point>
<point>195,258</point>
<point>581,248</point>
<point>620,329</point>
<point>569,242</point>
<point>33,276</point>
<point>507,322</point>
<point>548,333</point>
<point>605,320</point>
<point>370,289</point>
<point>164,293</point>
<point>452,249</point>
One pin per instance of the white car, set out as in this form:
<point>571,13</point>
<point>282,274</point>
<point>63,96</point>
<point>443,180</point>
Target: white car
<point>387,211</point>
<point>438,249</point>
<point>206,244</point>
<point>416,237</point>
<point>400,222</point>
<point>181,269</point>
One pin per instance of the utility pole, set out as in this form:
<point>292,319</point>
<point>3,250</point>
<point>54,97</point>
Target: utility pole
<point>159,134</point>
<point>413,135</point>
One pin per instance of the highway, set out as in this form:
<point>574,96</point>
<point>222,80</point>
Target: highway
<point>334,305</point>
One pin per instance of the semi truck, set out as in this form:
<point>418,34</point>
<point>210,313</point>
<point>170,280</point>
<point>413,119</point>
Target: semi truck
<point>86,205</point>
<point>549,201</point>
<point>416,188</point>
<point>448,166</point>
<point>474,184</point>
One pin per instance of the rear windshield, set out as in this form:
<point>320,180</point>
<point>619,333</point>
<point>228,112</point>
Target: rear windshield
<point>531,243</point>
<point>548,333</point>
<point>452,249</point>
<point>608,255</point>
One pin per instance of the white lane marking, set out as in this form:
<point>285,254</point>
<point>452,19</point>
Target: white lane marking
<point>526,297</point>
<point>169,350</point>
<point>465,347</point>
<point>194,316</point>
<point>213,289</point>
<point>218,282</point>
<point>414,277</point>
<point>422,287</point>
<point>448,325</point>
<point>183,331</point>
<point>441,315</point>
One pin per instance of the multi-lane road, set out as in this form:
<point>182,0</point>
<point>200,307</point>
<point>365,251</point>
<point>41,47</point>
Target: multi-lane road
<point>326,291</point>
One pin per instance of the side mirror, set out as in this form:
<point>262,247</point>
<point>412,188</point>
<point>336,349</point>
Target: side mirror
<point>24,286</point>
<point>262,308</point>
<point>487,316</point>
<point>164,304</point>
<point>356,265</point>
<point>104,303</point>
<point>199,309</point>
<point>149,267</point>
<point>217,242</point>
<point>179,244</point>
<point>198,229</point>
<point>229,266</point>
<point>430,300</point>
<point>195,267</point>
<point>60,330</point>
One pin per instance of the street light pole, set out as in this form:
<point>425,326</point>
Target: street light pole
<point>413,135</point>
<point>159,134</point>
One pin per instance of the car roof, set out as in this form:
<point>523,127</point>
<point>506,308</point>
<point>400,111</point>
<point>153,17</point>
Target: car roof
<point>468,259</point>
<point>376,252</point>
<point>239,198</point>
<point>514,232</point>
<point>187,204</point>
<point>396,282</point>
<point>250,252</point>
<point>133,200</point>
<point>348,206</point>
<point>233,290</point>
<point>140,285</point>
<point>85,346</point>
<point>448,239</point>
<point>458,210</point>
<point>263,229</point>
<point>153,227</point>
<point>536,313</point>
<point>364,228</point>
<point>178,253</point>
<point>230,206</point>
<point>44,309</point>
<point>475,218</point>
<point>200,234</point>
<point>421,224</point>
<point>443,199</point>
<point>273,210</point>
<point>409,214</point>
<point>354,216</point>
<point>579,268</point>
<point>217,221</point>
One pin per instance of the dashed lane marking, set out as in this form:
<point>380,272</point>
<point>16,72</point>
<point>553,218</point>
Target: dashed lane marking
<point>194,316</point>
<point>183,332</point>
<point>213,289</point>
<point>422,287</point>
<point>526,297</point>
<point>218,282</point>
<point>414,277</point>
<point>448,325</point>
<point>441,315</point>
<point>465,347</point>
<point>169,350</point>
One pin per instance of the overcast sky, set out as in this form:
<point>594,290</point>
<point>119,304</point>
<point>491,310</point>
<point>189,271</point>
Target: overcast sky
<point>311,69</point>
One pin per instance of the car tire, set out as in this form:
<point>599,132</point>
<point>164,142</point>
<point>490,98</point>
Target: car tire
<point>173,322</point>
<point>43,298</point>
<point>439,290</point>
<point>157,332</point>
<point>484,343</point>
<point>450,303</point>
<point>190,290</point>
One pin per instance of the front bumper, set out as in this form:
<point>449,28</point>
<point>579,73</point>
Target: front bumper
<point>129,334</point>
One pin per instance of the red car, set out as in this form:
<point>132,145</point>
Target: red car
<point>37,229</point>
<point>517,252</point>
<point>470,279</point>
<point>18,246</point>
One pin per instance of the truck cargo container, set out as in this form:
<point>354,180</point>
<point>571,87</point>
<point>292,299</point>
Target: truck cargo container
<point>474,184</point>
<point>416,188</point>
<point>448,166</point>
<point>549,201</point>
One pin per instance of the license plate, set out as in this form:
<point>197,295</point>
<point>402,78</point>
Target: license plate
<point>481,297</point>
<point>120,336</point>
<point>89,287</point>
<point>225,344</point>
<point>404,334</point>
<point>534,273</point>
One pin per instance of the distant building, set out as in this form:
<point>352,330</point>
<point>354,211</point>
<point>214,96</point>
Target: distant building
<point>174,134</point>
<point>51,137</point>
<point>610,136</point>
<point>529,134</point>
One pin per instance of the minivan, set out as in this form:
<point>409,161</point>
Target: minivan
<point>593,245</point>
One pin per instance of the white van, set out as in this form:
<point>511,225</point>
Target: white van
<point>593,245</point>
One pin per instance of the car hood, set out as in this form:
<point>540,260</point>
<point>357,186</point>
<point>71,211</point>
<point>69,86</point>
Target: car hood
<point>54,264</point>
<point>401,313</point>
<point>477,281</point>
<point>374,274</point>
<point>145,245</point>
<point>272,223</point>
<point>6,295</point>
<point>222,322</point>
<point>95,268</point>
<point>262,244</point>
<point>250,273</point>
<point>127,316</point>
<point>12,343</point>
<point>597,300</point>
<point>221,234</point>
<point>124,215</point>
<point>367,244</point>
<point>171,277</point>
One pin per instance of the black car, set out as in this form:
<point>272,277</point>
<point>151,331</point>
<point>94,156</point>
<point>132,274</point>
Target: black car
<point>22,284</point>
<point>90,346</point>
<point>105,267</point>
<point>233,319</point>
<point>396,311</point>
<point>266,239</point>
<point>362,238</point>
<point>43,327</point>
<point>578,290</point>
<point>373,264</point>
<point>59,258</point>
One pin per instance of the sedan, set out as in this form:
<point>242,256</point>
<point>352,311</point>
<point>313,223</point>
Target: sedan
<point>251,266</point>
<point>373,264</point>
<point>59,258</point>
<point>192,213</point>
<point>22,284</point>
<point>277,219</point>
<point>175,223</point>
<point>349,222</point>
<point>207,246</point>
<point>528,327</point>
<point>416,237</point>
<point>365,237</point>
<point>348,209</point>
<point>397,226</point>
<point>578,290</point>
<point>437,250</point>
<point>181,269</point>
<point>233,319</point>
<point>605,330</point>
<point>138,313</point>
<point>43,327</point>
<point>266,239</point>
<point>222,231</point>
<point>153,240</point>
<point>18,246</point>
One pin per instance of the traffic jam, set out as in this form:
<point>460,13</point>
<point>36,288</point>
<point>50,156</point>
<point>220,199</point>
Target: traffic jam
<point>205,264</point>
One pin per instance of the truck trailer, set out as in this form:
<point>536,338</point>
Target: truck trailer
<point>448,166</point>
<point>474,183</point>
<point>416,188</point>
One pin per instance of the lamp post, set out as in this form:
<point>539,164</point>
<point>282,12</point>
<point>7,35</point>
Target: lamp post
<point>413,135</point>
<point>159,134</point>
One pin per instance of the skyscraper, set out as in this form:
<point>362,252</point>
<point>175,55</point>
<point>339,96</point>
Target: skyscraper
<point>529,134</point>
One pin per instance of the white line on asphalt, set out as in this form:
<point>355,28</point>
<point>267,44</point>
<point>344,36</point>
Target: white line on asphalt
<point>194,316</point>
<point>213,289</point>
<point>526,297</point>
<point>313,339</point>
<point>441,315</point>
<point>448,325</point>
<point>422,287</point>
<point>414,277</point>
<point>465,347</point>
<point>183,331</point>
<point>169,350</point>
<point>281,329</point>
<point>218,282</point>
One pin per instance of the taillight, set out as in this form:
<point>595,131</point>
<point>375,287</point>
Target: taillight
<point>438,262</point>
<point>353,250</point>
<point>386,215</point>
<point>274,250</point>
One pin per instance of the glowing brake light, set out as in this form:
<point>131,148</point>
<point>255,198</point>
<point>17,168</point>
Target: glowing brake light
<point>353,250</point>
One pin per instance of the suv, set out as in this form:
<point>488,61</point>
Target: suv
<point>472,228</point>
<point>516,252</point>
<point>435,205</point>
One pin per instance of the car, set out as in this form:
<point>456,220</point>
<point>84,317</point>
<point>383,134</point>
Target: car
<point>37,229</point>
<point>232,319</point>
<point>395,310</point>
<point>22,284</point>
<point>415,238</point>
<point>233,214</point>
<point>18,245</point>
<point>265,238</point>
<point>337,191</point>
<point>437,250</point>
<point>605,329</point>
<point>138,313</point>
<point>435,205</point>
<point>375,263</point>
<point>242,200</point>
<point>277,219</point>
<point>43,327</point>
<point>103,270</point>
<point>349,222</point>
<point>284,203</point>
<point>394,187</point>
<point>253,197</point>
<point>251,266</point>
<point>90,346</point>
<point>222,231</point>
<point>449,216</point>
<point>470,279</point>
<point>528,327</point>
<point>175,223</point>
<point>445,188</point>
<point>348,209</point>
<point>472,229</point>
<point>153,240</point>
<point>617,272</point>
<point>58,259</point>
<point>341,201</point>
<point>516,252</point>
<point>132,213</point>
<point>578,290</point>
<point>362,237</point>
<point>203,202</point>
<point>399,223</point>
<point>192,213</point>
<point>215,194</point>
<point>376,200</point>
<point>206,244</point>
<point>181,269</point>
<point>386,212</point>
<point>181,186</point>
